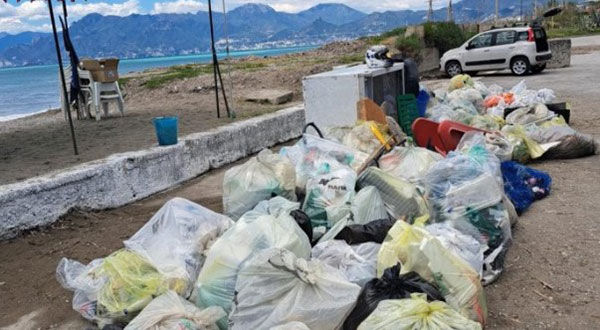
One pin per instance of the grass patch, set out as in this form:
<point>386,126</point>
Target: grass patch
<point>569,32</point>
<point>373,40</point>
<point>246,66</point>
<point>124,81</point>
<point>347,59</point>
<point>176,73</point>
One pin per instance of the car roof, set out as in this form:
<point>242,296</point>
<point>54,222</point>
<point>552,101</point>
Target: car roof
<point>515,28</point>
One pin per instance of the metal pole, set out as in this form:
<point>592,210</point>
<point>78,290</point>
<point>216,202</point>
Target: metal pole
<point>214,56</point>
<point>62,74</point>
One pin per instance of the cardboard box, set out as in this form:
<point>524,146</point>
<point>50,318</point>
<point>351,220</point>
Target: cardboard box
<point>104,70</point>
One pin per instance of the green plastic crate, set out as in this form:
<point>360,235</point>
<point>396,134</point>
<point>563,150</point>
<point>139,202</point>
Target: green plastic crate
<point>408,112</point>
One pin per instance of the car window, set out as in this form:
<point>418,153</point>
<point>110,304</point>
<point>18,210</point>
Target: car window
<point>484,40</point>
<point>539,34</point>
<point>505,37</point>
<point>523,36</point>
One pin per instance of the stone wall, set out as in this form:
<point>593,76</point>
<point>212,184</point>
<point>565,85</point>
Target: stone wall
<point>123,178</point>
<point>561,53</point>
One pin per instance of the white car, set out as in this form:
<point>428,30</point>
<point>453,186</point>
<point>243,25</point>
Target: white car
<point>520,49</point>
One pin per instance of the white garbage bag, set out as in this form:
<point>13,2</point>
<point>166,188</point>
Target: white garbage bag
<point>410,162</point>
<point>176,238</point>
<point>462,245</point>
<point>171,312</point>
<point>294,325</point>
<point>277,206</point>
<point>365,207</point>
<point>358,262</point>
<point>250,234</point>
<point>313,156</point>
<point>260,178</point>
<point>276,287</point>
<point>323,191</point>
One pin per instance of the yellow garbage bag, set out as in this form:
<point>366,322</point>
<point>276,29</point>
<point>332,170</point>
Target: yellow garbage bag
<point>524,147</point>
<point>459,81</point>
<point>416,313</point>
<point>419,251</point>
<point>131,283</point>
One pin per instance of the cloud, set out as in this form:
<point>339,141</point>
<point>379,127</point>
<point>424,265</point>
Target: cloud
<point>116,9</point>
<point>177,7</point>
<point>33,15</point>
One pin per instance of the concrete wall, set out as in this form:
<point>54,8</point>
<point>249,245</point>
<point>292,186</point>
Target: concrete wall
<point>561,53</point>
<point>430,60</point>
<point>123,178</point>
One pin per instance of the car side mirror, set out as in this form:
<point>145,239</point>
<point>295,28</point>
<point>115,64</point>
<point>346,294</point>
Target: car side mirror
<point>469,46</point>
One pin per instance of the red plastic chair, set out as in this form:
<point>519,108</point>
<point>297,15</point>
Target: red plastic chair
<point>425,133</point>
<point>451,132</point>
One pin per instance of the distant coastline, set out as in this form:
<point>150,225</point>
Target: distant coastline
<point>30,90</point>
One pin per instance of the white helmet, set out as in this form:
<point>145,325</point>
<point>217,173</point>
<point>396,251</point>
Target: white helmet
<point>376,57</point>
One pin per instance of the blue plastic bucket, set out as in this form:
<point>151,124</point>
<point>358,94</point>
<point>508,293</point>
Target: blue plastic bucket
<point>422,100</point>
<point>166,130</point>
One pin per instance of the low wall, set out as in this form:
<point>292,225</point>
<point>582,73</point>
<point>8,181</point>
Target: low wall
<point>561,53</point>
<point>123,178</point>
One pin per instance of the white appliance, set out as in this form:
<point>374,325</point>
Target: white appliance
<point>330,97</point>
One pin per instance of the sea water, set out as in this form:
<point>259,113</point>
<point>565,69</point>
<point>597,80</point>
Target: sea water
<point>28,90</point>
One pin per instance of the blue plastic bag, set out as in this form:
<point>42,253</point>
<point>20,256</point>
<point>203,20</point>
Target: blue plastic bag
<point>524,185</point>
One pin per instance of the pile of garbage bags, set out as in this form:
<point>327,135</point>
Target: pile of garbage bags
<point>519,119</point>
<point>322,235</point>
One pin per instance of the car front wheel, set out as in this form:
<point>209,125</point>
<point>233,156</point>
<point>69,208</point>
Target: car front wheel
<point>520,66</point>
<point>453,68</point>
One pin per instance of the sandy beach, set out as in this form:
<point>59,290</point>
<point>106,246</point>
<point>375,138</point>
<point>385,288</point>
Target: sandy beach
<point>41,143</point>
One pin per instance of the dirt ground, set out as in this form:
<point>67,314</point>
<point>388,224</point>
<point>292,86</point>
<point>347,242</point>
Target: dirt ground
<point>550,280</point>
<point>41,144</point>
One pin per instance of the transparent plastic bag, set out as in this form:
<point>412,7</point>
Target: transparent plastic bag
<point>529,114</point>
<point>277,206</point>
<point>462,245</point>
<point>494,142</point>
<point>313,156</point>
<point>524,147</point>
<point>260,178</point>
<point>75,276</point>
<point>358,263</point>
<point>252,233</point>
<point>401,198</point>
<point>276,286</point>
<point>410,162</point>
<point>460,184</point>
<point>487,122</point>
<point>131,283</point>
<point>327,190</point>
<point>470,95</point>
<point>362,138</point>
<point>177,237</point>
<point>171,312</point>
<point>417,250</point>
<point>416,313</point>
<point>366,206</point>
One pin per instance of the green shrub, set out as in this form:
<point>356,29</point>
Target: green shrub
<point>443,36</point>
<point>409,46</point>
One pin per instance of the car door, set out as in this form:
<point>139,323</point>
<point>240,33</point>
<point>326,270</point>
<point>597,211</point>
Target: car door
<point>503,47</point>
<point>477,56</point>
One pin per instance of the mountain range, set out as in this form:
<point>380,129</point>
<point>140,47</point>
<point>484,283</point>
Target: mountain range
<point>249,26</point>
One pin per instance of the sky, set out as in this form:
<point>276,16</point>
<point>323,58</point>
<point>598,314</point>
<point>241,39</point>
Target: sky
<point>33,15</point>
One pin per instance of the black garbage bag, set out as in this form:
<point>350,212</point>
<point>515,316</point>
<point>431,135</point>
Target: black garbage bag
<point>391,285</point>
<point>304,222</point>
<point>374,231</point>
